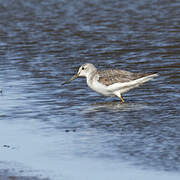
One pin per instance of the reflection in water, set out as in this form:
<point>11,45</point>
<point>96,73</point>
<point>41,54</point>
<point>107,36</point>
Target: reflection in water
<point>118,106</point>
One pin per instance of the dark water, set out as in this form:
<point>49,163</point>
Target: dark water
<point>42,44</point>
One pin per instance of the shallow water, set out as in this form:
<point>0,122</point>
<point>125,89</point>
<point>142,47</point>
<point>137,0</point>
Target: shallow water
<point>63,131</point>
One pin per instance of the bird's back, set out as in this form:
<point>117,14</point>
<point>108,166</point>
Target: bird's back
<point>111,76</point>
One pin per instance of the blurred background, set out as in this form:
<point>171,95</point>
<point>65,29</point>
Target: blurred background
<point>68,132</point>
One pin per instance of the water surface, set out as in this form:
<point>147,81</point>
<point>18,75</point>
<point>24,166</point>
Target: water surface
<point>63,131</point>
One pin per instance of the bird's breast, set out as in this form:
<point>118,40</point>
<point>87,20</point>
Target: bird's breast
<point>99,88</point>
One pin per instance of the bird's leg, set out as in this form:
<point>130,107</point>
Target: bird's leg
<point>122,100</point>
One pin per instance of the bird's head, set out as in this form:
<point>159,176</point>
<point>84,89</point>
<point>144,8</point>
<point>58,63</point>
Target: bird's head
<point>84,71</point>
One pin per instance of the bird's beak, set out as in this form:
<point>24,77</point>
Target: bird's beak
<point>68,81</point>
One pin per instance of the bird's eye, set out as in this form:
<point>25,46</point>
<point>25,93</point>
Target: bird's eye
<point>83,68</point>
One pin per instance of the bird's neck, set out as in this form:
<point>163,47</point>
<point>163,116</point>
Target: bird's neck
<point>90,77</point>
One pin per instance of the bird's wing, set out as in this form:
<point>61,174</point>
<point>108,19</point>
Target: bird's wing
<point>112,76</point>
